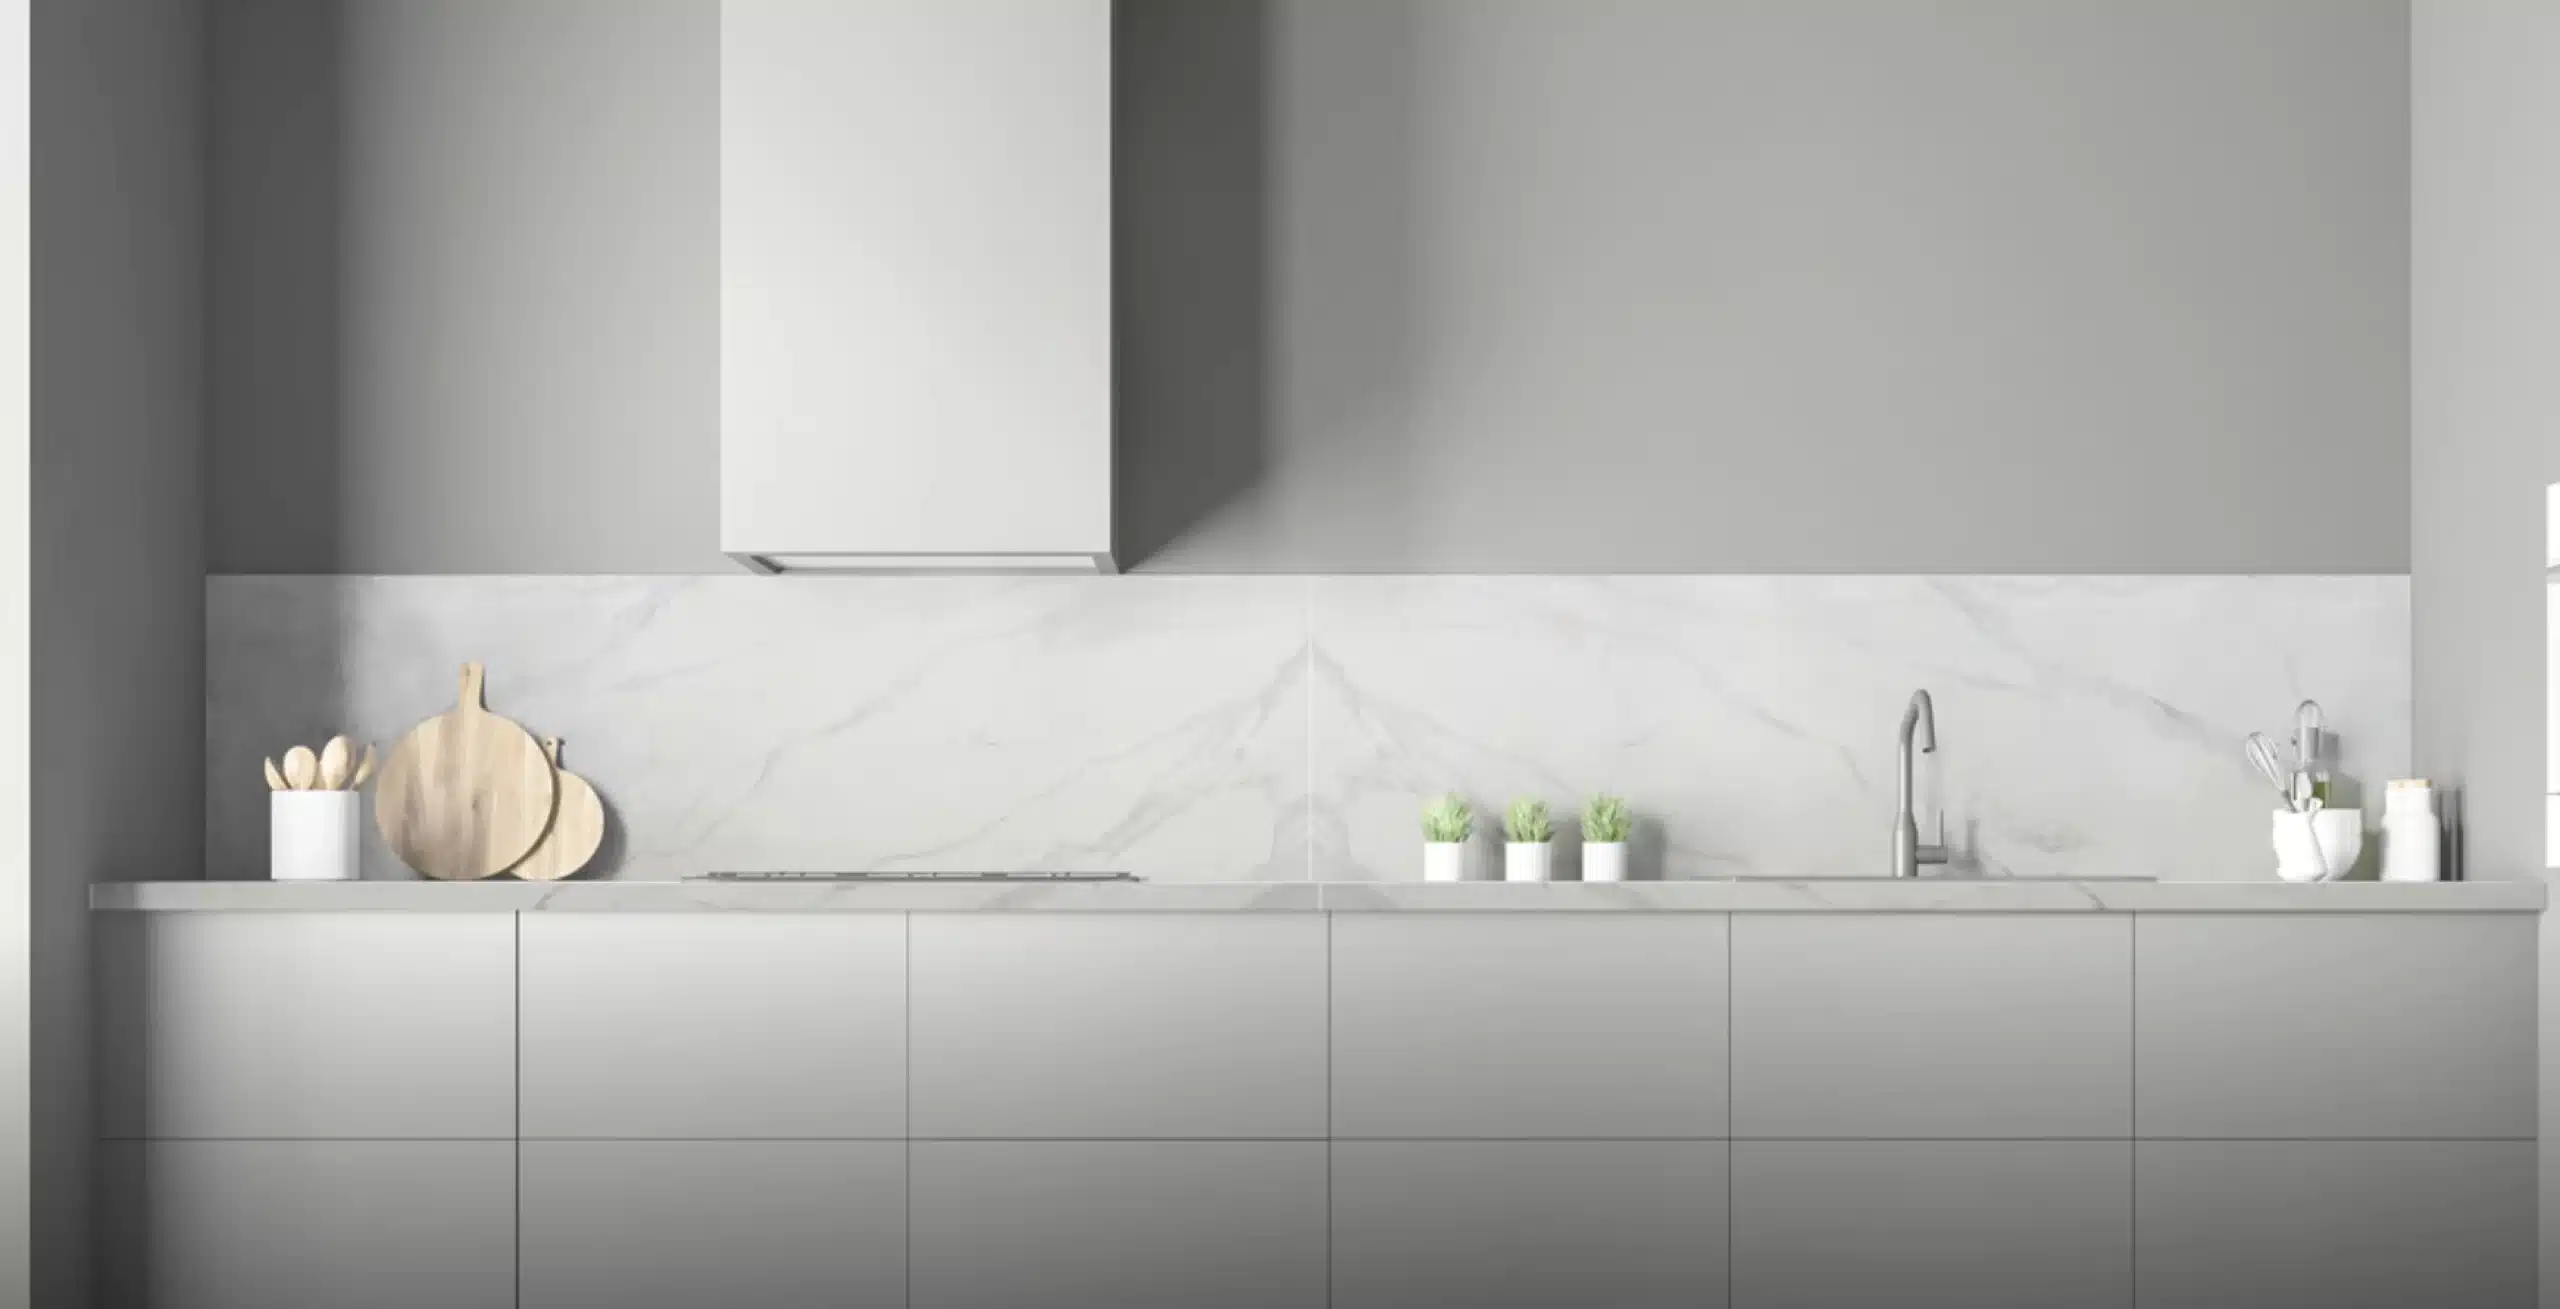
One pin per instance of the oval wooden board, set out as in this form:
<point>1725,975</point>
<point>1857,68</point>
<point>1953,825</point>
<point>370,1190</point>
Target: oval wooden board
<point>577,827</point>
<point>466,793</point>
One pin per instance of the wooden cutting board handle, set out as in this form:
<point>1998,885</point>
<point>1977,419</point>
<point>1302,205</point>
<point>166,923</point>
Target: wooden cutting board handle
<point>475,689</point>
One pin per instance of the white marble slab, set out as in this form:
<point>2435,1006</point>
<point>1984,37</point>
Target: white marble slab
<point>1289,728</point>
<point>1149,725</point>
<point>1741,895</point>
<point>2086,726</point>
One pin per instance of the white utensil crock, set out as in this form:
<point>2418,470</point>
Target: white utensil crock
<point>1525,861</point>
<point>1444,861</point>
<point>2317,847</point>
<point>311,835</point>
<point>1604,861</point>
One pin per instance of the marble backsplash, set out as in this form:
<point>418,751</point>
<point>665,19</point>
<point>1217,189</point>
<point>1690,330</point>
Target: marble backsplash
<point>1221,728</point>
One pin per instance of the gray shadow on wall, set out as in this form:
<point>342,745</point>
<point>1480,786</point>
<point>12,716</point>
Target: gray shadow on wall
<point>274,266</point>
<point>1190,212</point>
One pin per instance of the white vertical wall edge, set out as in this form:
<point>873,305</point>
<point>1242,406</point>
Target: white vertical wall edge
<point>915,283</point>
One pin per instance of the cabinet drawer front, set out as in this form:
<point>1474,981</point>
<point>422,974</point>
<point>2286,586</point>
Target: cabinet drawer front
<point>715,1025</point>
<point>1984,1224</point>
<point>1532,1224</point>
<point>1130,1224</point>
<point>737,1224</point>
<point>2336,1026</point>
<point>307,1025</point>
<point>308,1224</point>
<point>1927,1025</point>
<point>1529,1025</point>
<point>1118,1025</point>
<point>2338,1224</point>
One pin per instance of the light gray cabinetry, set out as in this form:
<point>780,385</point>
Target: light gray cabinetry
<point>2337,1224</point>
<point>308,1224</point>
<point>1118,1025</point>
<point>1529,1025</point>
<point>2336,1025</point>
<point>915,199</point>
<point>1932,1025</point>
<point>1131,1224</point>
<point>722,1025</point>
<point>1984,1224</point>
<point>734,1224</point>
<point>1532,1224</point>
<point>282,1025</point>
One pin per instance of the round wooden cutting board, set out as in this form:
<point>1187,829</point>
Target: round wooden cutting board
<point>466,793</point>
<point>577,827</point>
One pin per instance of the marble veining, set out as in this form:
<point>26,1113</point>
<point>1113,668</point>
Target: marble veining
<point>1277,729</point>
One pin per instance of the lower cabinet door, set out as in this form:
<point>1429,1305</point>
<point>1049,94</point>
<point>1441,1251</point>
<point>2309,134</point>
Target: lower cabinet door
<point>1532,1224</point>
<point>309,1224</point>
<point>1125,1224</point>
<point>1925,1224</point>
<point>731,1224</point>
<point>2337,1224</point>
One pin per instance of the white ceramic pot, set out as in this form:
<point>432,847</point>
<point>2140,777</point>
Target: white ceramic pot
<point>2318,847</point>
<point>1604,861</point>
<point>1526,861</point>
<point>311,835</point>
<point>1444,861</point>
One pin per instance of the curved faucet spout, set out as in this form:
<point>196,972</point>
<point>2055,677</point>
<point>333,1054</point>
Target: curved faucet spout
<point>1920,717</point>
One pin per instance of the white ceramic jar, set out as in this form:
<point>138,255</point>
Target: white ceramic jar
<point>312,835</point>
<point>2412,835</point>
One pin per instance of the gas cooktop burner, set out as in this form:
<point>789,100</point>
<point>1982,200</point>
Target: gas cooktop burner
<point>785,875</point>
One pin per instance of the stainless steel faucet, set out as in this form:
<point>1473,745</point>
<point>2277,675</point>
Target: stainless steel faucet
<point>1908,852</point>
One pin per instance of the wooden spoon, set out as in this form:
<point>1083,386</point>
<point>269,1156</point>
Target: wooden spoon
<point>364,770</point>
<point>275,779</point>
<point>301,768</point>
<point>335,758</point>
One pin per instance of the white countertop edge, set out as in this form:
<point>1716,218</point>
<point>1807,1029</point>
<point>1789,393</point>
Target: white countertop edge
<point>1746,895</point>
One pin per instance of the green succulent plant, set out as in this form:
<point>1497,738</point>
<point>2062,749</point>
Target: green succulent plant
<point>1528,823</point>
<point>1606,821</point>
<point>1448,819</point>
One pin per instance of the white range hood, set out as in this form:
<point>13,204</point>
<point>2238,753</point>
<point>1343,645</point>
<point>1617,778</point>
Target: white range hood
<point>915,298</point>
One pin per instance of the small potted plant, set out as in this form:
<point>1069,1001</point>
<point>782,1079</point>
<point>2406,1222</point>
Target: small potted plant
<point>1605,824</point>
<point>1446,824</point>
<point>1528,832</point>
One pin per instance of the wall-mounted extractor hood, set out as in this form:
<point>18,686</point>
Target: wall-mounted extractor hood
<point>915,286</point>
<point>924,563</point>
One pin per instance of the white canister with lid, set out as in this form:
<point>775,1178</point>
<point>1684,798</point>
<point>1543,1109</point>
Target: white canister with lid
<point>2412,837</point>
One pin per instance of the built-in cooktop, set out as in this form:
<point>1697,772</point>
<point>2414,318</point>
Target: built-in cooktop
<point>1035,875</point>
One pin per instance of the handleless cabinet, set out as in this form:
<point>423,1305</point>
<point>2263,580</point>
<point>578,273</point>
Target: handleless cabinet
<point>1528,1025</point>
<point>737,1224</point>
<point>2337,1025</point>
<point>308,1026</point>
<point>308,1224</point>
<point>725,1026</point>
<point>1081,1026</point>
<point>1932,1025</point>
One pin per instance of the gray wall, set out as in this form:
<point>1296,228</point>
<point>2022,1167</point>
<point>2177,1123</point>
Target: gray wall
<point>118,531</point>
<point>2485,441</point>
<point>465,280</point>
<point>1439,285</point>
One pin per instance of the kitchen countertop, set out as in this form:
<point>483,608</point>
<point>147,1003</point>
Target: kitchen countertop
<point>1748,895</point>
